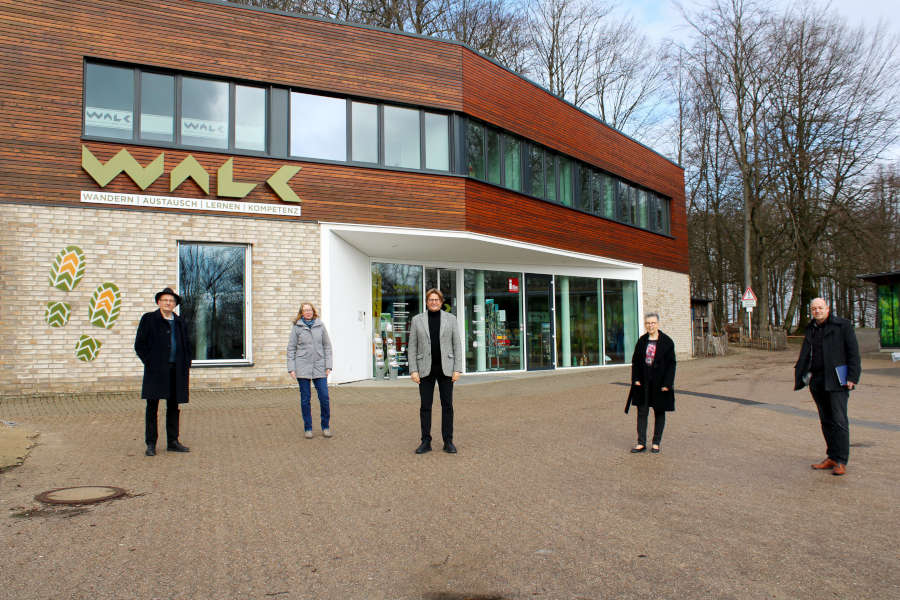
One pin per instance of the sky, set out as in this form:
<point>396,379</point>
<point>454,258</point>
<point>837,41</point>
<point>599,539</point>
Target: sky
<point>662,18</point>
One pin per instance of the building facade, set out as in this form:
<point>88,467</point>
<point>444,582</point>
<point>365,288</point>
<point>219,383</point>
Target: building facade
<point>253,160</point>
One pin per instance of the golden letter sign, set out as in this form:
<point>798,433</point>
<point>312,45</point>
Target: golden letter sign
<point>188,168</point>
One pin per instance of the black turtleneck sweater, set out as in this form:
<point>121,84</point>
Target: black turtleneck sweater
<point>434,329</point>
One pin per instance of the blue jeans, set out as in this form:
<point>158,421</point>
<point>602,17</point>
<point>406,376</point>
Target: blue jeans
<point>305,396</point>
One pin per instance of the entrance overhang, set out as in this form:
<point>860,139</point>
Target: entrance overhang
<point>437,247</point>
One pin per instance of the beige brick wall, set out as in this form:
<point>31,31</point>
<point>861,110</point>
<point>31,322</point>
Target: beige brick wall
<point>669,294</point>
<point>136,250</point>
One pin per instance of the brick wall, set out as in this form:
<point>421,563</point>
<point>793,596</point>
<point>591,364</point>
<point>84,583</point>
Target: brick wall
<point>669,294</point>
<point>137,251</point>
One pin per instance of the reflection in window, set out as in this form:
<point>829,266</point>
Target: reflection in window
<point>578,321</point>
<point>536,171</point>
<point>475,149</point>
<point>204,113</point>
<point>249,118</point>
<point>212,280</point>
<point>396,299</point>
<point>586,195</point>
<point>364,132</point>
<point>493,155</point>
<point>157,107</point>
<point>108,101</point>
<point>493,308</point>
<point>550,175</point>
<point>401,138</point>
<point>444,280</point>
<point>512,163</point>
<point>437,142</point>
<point>607,195</point>
<point>565,181</point>
<point>318,127</point>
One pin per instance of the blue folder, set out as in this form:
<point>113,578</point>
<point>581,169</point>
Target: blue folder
<point>841,371</point>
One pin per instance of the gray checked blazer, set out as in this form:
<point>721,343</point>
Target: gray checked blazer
<point>419,348</point>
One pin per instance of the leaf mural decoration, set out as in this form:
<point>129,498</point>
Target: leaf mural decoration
<point>105,304</point>
<point>87,348</point>
<point>57,313</point>
<point>67,268</point>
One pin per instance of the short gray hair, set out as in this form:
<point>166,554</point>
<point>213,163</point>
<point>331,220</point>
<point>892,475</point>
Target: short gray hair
<point>651,314</point>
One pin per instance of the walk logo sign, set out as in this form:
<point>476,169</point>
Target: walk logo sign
<point>188,168</point>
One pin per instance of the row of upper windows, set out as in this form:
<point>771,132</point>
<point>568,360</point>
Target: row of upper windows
<point>181,110</point>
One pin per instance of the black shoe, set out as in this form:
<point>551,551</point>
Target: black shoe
<point>177,446</point>
<point>423,448</point>
<point>151,450</point>
<point>654,449</point>
<point>449,448</point>
<point>638,448</point>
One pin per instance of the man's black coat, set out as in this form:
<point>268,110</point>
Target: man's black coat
<point>152,344</point>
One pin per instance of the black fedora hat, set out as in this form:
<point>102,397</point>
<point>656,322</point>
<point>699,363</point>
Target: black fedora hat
<point>169,292</point>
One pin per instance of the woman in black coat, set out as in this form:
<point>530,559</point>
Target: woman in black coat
<point>652,381</point>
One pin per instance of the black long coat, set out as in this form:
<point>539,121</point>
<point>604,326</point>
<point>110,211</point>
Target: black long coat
<point>661,374</point>
<point>152,344</point>
<point>839,347</point>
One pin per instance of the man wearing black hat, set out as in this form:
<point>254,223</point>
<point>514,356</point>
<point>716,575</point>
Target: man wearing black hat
<point>162,345</point>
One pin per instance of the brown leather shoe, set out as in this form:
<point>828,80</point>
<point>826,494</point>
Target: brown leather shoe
<point>825,464</point>
<point>838,469</point>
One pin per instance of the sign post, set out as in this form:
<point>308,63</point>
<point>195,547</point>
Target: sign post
<point>748,300</point>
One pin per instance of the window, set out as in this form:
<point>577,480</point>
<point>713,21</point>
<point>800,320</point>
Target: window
<point>213,280</point>
<point>396,299</point>
<point>512,163</point>
<point>492,142</point>
<point>536,171</point>
<point>364,132</point>
<point>108,101</point>
<point>437,142</point>
<point>493,309</point>
<point>249,118</point>
<point>475,149</point>
<point>157,107</point>
<point>401,137</point>
<point>565,181</point>
<point>204,113</point>
<point>318,126</point>
<point>578,318</point>
<point>550,176</point>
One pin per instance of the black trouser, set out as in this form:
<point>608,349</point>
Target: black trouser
<point>426,394</point>
<point>835,424</point>
<point>659,423</point>
<point>172,414</point>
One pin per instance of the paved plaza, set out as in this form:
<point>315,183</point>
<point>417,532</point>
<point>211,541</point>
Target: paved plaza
<point>543,501</point>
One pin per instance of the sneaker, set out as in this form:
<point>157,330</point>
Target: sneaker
<point>326,432</point>
<point>308,434</point>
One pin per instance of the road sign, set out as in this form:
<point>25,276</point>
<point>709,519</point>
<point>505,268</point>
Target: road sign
<point>748,300</point>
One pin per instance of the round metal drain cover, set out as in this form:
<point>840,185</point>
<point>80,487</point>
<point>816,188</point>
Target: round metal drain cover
<point>85,494</point>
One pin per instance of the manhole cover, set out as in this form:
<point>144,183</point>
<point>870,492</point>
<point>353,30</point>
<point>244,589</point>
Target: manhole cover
<point>85,494</point>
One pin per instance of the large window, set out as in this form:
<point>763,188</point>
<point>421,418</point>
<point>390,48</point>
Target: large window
<point>493,309</point>
<point>204,112</point>
<point>578,320</point>
<point>396,299</point>
<point>620,320</point>
<point>318,127</point>
<point>250,118</point>
<point>437,142</point>
<point>401,138</point>
<point>157,107</point>
<point>108,101</point>
<point>213,281</point>
<point>364,132</point>
<point>512,163</point>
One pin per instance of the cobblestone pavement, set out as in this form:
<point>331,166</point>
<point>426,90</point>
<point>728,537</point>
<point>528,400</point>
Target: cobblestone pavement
<point>543,500</point>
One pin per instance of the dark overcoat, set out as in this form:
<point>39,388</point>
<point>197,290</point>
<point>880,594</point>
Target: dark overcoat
<point>661,374</point>
<point>839,347</point>
<point>152,344</point>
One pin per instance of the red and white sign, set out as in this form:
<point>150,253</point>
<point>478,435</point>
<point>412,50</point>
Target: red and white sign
<point>513,284</point>
<point>749,298</point>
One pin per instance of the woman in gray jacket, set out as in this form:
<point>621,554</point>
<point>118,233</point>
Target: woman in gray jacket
<point>309,359</point>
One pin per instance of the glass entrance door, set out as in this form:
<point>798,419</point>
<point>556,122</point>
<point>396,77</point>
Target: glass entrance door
<point>539,321</point>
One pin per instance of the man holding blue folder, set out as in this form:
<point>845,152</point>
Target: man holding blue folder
<point>829,364</point>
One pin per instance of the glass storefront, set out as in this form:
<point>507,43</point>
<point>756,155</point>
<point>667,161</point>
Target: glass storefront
<point>511,320</point>
<point>620,320</point>
<point>493,308</point>
<point>396,299</point>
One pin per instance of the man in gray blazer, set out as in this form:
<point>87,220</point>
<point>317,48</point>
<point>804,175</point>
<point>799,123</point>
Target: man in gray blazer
<point>434,350</point>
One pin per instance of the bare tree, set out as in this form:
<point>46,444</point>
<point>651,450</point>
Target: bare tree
<point>562,36</point>
<point>628,74</point>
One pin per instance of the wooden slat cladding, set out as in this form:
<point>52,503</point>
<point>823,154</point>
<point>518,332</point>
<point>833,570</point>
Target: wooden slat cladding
<point>494,211</point>
<point>44,44</point>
